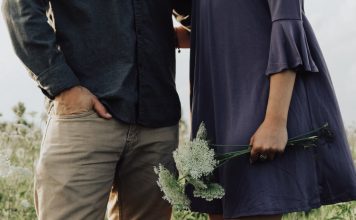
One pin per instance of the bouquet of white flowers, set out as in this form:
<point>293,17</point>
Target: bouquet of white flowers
<point>196,161</point>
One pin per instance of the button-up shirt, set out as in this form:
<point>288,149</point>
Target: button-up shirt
<point>123,51</point>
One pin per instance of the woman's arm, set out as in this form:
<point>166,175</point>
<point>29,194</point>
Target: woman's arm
<point>183,37</point>
<point>271,137</point>
<point>181,11</point>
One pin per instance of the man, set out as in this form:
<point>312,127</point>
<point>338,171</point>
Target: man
<point>109,67</point>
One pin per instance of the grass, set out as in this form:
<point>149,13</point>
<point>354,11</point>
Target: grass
<point>20,141</point>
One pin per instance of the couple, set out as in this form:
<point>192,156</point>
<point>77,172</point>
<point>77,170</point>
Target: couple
<point>257,76</point>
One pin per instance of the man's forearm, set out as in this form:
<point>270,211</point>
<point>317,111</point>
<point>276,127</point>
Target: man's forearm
<point>35,44</point>
<point>280,95</point>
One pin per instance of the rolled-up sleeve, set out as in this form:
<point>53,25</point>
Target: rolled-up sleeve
<point>289,47</point>
<point>35,44</point>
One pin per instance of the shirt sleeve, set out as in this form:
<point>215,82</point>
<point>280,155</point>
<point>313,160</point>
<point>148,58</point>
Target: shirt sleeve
<point>34,41</point>
<point>289,45</point>
<point>182,12</point>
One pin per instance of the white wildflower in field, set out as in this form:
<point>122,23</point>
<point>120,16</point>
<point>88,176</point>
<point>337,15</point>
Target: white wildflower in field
<point>25,204</point>
<point>4,165</point>
<point>22,129</point>
<point>8,151</point>
<point>20,153</point>
<point>196,158</point>
<point>172,189</point>
<point>212,191</point>
<point>20,172</point>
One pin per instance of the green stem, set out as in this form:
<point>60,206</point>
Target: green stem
<point>299,138</point>
<point>311,132</point>
<point>222,158</point>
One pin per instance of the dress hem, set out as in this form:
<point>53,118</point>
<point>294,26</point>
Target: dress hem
<point>329,201</point>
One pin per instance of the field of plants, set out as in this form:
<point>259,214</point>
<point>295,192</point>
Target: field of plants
<point>19,148</point>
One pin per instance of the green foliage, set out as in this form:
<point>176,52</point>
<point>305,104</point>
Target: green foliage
<point>20,143</point>
<point>342,211</point>
<point>184,215</point>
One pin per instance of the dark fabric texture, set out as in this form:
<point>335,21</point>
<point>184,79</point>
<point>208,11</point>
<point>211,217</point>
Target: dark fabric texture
<point>236,46</point>
<point>122,51</point>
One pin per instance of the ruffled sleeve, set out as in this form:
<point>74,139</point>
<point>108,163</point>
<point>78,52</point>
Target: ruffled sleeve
<point>289,48</point>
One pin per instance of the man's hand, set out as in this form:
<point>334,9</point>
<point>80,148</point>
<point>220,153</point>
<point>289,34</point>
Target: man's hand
<point>183,37</point>
<point>78,99</point>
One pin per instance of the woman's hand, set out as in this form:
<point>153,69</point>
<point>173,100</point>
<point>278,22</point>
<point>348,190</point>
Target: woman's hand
<point>183,37</point>
<point>270,138</point>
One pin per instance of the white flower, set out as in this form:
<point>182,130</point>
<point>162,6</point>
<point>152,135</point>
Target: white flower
<point>25,204</point>
<point>20,153</point>
<point>195,158</point>
<point>20,172</point>
<point>172,189</point>
<point>202,133</point>
<point>22,129</point>
<point>213,191</point>
<point>197,183</point>
<point>8,151</point>
<point>4,165</point>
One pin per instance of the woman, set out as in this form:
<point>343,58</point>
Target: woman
<point>259,77</point>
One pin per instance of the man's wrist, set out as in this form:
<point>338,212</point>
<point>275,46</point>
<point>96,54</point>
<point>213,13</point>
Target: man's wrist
<point>68,90</point>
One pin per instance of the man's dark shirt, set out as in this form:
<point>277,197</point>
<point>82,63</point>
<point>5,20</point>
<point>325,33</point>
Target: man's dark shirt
<point>123,51</point>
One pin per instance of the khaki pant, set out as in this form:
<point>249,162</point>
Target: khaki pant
<point>85,160</point>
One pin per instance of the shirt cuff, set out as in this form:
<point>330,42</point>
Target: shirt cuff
<point>57,79</point>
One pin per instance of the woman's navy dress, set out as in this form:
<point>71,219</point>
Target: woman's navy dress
<point>236,46</point>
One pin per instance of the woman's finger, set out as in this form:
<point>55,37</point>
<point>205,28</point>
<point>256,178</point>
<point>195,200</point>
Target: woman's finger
<point>271,155</point>
<point>255,153</point>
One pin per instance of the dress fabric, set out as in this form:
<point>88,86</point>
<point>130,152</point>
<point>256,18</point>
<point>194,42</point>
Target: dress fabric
<point>236,46</point>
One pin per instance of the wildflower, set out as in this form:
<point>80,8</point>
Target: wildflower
<point>213,191</point>
<point>326,133</point>
<point>196,161</point>
<point>171,187</point>
<point>20,172</point>
<point>202,133</point>
<point>25,203</point>
<point>196,183</point>
<point>196,158</point>
<point>20,153</point>
<point>22,129</point>
<point>4,165</point>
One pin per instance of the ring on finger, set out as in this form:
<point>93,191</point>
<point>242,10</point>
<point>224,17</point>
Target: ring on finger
<point>262,157</point>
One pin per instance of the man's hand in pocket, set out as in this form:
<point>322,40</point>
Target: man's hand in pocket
<point>77,100</point>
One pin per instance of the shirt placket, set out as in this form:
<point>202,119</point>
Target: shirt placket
<point>139,26</point>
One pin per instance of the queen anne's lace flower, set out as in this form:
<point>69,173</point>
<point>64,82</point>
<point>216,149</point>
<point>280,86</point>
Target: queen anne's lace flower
<point>196,161</point>
<point>172,189</point>
<point>202,132</point>
<point>213,191</point>
<point>196,158</point>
